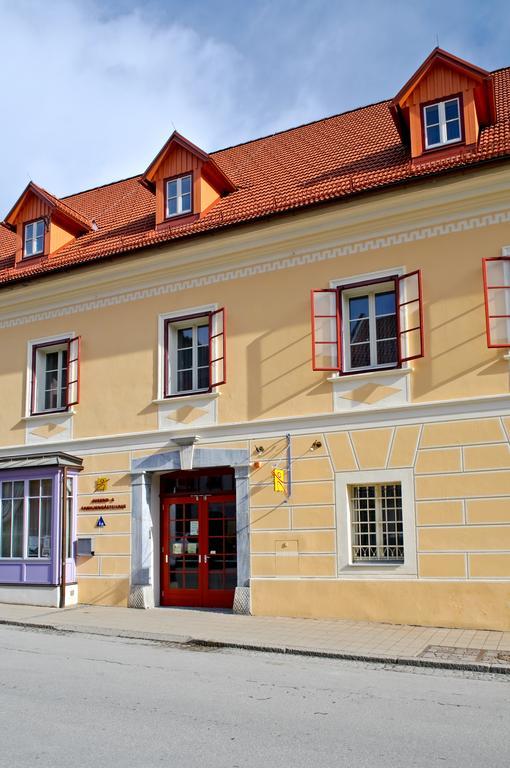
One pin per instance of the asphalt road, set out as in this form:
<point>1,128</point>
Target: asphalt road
<point>81,700</point>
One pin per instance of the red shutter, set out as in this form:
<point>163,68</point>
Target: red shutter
<point>326,340</point>
<point>217,350</point>
<point>33,404</point>
<point>73,371</point>
<point>409,316</point>
<point>496,284</point>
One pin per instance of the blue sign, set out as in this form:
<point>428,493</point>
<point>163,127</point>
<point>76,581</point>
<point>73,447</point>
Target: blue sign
<point>100,523</point>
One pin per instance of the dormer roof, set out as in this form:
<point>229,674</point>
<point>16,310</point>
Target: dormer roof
<point>481,81</point>
<point>330,160</point>
<point>210,167</point>
<point>74,220</point>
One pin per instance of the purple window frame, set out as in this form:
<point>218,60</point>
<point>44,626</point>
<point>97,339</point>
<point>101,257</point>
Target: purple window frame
<point>42,571</point>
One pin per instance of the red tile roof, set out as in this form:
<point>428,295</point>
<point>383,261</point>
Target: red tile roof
<point>331,159</point>
<point>65,209</point>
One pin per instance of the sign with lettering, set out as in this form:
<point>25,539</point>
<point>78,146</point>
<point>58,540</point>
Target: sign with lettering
<point>104,503</point>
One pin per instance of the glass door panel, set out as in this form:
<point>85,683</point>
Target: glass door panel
<point>182,546</point>
<point>222,548</point>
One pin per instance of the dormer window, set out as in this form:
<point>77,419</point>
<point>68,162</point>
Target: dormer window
<point>33,239</point>
<point>178,196</point>
<point>442,123</point>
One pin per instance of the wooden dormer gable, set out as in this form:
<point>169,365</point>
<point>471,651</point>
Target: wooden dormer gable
<point>54,221</point>
<point>180,159</point>
<point>444,79</point>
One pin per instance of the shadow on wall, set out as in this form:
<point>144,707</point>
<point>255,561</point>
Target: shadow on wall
<point>280,367</point>
<point>455,339</point>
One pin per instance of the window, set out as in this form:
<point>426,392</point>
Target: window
<point>55,375</point>
<point>442,123</point>
<point>377,533</point>
<point>33,238</point>
<point>69,517</point>
<point>25,531</point>
<point>12,519</point>
<point>368,325</point>
<point>195,353</point>
<point>178,196</point>
<point>496,282</point>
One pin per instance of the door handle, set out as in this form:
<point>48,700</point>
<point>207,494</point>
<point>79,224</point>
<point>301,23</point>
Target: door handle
<point>205,558</point>
<point>166,558</point>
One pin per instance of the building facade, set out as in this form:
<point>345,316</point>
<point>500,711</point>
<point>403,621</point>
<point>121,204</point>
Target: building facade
<point>275,376</point>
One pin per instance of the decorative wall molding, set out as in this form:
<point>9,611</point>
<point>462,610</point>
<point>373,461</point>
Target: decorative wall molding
<point>268,265</point>
<point>369,390</point>
<point>401,415</point>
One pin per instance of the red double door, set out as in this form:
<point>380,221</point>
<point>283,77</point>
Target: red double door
<point>198,551</point>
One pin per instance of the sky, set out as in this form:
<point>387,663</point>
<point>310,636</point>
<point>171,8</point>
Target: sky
<point>91,90</point>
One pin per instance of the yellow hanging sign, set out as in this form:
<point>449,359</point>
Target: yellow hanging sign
<point>279,480</point>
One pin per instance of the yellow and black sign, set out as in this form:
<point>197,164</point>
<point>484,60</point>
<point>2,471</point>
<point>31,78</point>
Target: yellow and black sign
<point>279,480</point>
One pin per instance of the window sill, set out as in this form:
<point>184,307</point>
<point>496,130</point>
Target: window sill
<point>48,415</point>
<point>372,374</point>
<point>189,398</point>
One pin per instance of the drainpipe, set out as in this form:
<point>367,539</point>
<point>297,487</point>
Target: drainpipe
<point>63,542</point>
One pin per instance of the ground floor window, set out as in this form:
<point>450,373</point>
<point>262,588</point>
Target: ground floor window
<point>377,531</point>
<point>26,512</point>
<point>376,523</point>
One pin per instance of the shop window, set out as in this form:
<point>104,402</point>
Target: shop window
<point>368,325</point>
<point>69,517</point>
<point>25,531</point>
<point>194,353</point>
<point>55,375</point>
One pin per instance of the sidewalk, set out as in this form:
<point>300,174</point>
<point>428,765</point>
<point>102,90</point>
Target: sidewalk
<point>386,643</point>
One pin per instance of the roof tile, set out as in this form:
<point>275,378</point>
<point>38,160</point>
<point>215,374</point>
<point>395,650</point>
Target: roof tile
<point>330,159</point>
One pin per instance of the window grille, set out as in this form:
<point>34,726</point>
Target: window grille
<point>376,523</point>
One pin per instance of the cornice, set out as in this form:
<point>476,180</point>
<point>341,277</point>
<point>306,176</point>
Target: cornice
<point>399,415</point>
<point>306,238</point>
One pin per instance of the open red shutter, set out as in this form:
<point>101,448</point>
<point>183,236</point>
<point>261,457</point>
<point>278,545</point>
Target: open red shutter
<point>33,385</point>
<point>409,316</point>
<point>496,283</point>
<point>73,371</point>
<point>217,350</point>
<point>326,342</point>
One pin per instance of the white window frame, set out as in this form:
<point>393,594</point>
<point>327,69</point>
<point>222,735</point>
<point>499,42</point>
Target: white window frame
<point>442,123</point>
<point>203,310</point>
<point>370,291</point>
<point>33,238</point>
<point>365,527</point>
<point>42,343</point>
<point>390,569</point>
<point>179,195</point>
<point>173,327</point>
<point>41,357</point>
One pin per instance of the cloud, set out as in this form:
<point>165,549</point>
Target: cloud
<point>91,90</point>
<point>90,99</point>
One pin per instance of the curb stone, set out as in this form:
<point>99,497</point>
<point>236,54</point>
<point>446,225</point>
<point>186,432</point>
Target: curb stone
<point>188,640</point>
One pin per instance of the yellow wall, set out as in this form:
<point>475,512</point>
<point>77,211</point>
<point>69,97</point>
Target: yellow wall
<point>460,466</point>
<point>269,339</point>
<point>461,522</point>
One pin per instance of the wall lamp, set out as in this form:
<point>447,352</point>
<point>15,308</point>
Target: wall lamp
<point>315,445</point>
<point>259,449</point>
